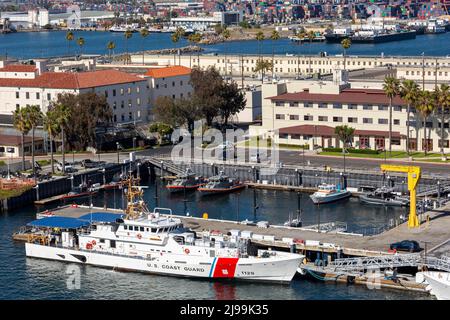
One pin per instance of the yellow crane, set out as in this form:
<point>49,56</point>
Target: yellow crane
<point>413,179</point>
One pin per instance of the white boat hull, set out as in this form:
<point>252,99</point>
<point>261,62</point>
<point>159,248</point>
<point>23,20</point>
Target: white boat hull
<point>439,283</point>
<point>330,198</point>
<point>279,269</point>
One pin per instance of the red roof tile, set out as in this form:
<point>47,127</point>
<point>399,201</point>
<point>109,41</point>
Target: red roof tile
<point>18,68</point>
<point>321,130</point>
<point>353,96</point>
<point>167,72</point>
<point>68,80</point>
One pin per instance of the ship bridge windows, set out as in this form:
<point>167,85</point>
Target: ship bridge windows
<point>136,228</point>
<point>141,229</point>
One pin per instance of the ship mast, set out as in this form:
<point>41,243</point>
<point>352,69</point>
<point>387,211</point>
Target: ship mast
<point>135,202</point>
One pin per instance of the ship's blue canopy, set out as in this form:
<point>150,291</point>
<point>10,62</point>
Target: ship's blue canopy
<point>101,217</point>
<point>59,222</point>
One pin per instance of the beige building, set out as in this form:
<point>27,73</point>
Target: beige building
<point>307,112</point>
<point>11,146</point>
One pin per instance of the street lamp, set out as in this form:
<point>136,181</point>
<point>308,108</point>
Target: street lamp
<point>104,176</point>
<point>117,145</point>
<point>134,143</point>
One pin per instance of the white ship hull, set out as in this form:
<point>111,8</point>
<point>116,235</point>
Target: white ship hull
<point>279,269</point>
<point>439,284</point>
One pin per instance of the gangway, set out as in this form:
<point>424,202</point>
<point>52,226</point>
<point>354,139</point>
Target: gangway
<point>169,167</point>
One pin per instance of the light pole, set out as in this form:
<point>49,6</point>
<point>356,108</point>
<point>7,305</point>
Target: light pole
<point>134,143</point>
<point>71,182</point>
<point>37,191</point>
<point>117,145</point>
<point>104,176</point>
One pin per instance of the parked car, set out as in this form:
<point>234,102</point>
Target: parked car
<point>406,245</point>
<point>88,163</point>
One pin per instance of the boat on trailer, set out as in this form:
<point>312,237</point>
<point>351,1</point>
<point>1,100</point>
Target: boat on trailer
<point>155,242</point>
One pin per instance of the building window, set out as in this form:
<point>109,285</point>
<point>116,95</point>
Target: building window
<point>49,96</point>
<point>293,117</point>
<point>129,90</point>
<point>382,121</point>
<point>323,105</point>
<point>138,101</point>
<point>122,104</point>
<point>114,92</point>
<point>446,144</point>
<point>337,119</point>
<point>38,96</point>
<point>284,136</point>
<point>114,105</point>
<point>367,107</point>
<point>17,94</point>
<point>297,137</point>
<point>337,106</point>
<point>427,144</point>
<point>293,104</point>
<point>173,83</point>
<point>308,118</point>
<point>138,89</point>
<point>367,120</point>
<point>157,86</point>
<point>106,93</point>
<point>279,103</point>
<point>27,95</point>
<point>352,120</point>
<point>352,106</point>
<point>397,122</point>
<point>382,108</point>
<point>308,104</point>
<point>323,118</point>
<point>122,91</point>
<point>181,82</point>
<point>279,116</point>
<point>446,125</point>
<point>398,108</point>
<point>129,103</point>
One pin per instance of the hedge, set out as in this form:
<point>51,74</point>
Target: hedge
<point>360,151</point>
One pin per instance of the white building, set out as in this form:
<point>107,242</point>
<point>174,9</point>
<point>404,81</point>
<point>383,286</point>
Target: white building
<point>21,85</point>
<point>204,22</point>
<point>172,82</point>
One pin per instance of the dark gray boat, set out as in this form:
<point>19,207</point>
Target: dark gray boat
<point>384,196</point>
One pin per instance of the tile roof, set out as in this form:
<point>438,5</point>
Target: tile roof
<point>69,80</point>
<point>18,68</point>
<point>167,72</point>
<point>353,96</point>
<point>8,140</point>
<point>321,130</point>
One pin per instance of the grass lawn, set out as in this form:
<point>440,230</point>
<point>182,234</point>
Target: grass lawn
<point>254,142</point>
<point>394,155</point>
<point>5,194</point>
<point>2,163</point>
<point>43,162</point>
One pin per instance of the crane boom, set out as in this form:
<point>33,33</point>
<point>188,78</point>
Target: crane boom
<point>413,179</point>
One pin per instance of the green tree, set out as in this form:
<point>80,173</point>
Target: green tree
<point>409,91</point>
<point>346,44</point>
<point>128,34</point>
<point>69,38</point>
<point>81,42</point>
<point>175,37</point>
<point>275,36</point>
<point>426,107</point>
<point>233,101</point>
<point>206,85</point>
<point>195,38</point>
<point>226,34</point>
<point>62,117</point>
<point>110,46</point>
<point>263,66</point>
<point>33,115</point>
<point>162,129</point>
<point>177,112</point>
<point>144,34</point>
<point>22,125</point>
<point>259,37</point>
<point>391,87</point>
<point>345,134</point>
<point>443,99</point>
<point>50,122</point>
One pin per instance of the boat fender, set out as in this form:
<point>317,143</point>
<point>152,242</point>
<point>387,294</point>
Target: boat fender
<point>88,245</point>
<point>186,251</point>
<point>139,236</point>
<point>94,242</point>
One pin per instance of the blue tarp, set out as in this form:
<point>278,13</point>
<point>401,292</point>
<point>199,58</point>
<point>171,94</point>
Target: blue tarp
<point>59,222</point>
<point>101,217</point>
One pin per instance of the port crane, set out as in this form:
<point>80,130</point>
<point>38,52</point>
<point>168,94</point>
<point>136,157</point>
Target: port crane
<point>413,180</point>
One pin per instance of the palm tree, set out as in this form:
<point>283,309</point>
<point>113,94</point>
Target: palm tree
<point>62,118</point>
<point>196,38</point>
<point>311,36</point>
<point>110,46</point>
<point>443,99</point>
<point>34,115</point>
<point>263,66</point>
<point>391,88</point>
<point>69,38</point>
<point>425,107</point>
<point>144,34</point>
<point>81,42</point>
<point>51,127</point>
<point>22,125</point>
<point>259,37</point>
<point>176,36</point>
<point>128,34</point>
<point>226,35</point>
<point>275,36</point>
<point>345,134</point>
<point>346,44</point>
<point>409,91</point>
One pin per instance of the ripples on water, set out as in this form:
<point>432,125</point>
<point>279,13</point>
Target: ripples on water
<point>27,278</point>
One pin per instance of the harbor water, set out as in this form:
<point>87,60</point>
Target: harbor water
<point>27,45</point>
<point>26,278</point>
